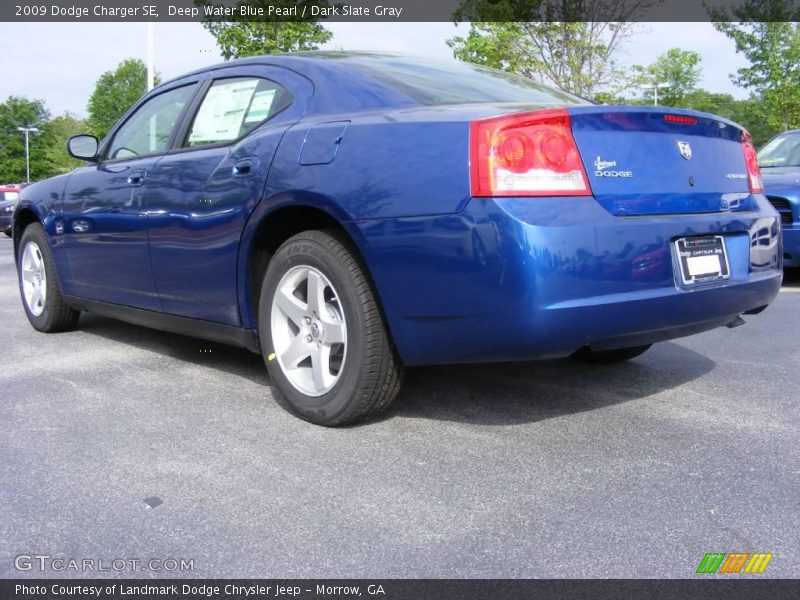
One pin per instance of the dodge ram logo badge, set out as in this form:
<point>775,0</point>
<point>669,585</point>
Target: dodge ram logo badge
<point>686,150</point>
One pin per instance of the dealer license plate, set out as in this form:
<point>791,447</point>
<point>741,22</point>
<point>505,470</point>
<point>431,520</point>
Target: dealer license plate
<point>702,259</point>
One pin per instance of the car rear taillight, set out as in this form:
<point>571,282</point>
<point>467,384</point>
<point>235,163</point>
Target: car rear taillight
<point>526,154</point>
<point>751,159</point>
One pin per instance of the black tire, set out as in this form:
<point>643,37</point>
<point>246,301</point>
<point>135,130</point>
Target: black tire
<point>610,357</point>
<point>7,231</point>
<point>56,315</point>
<point>372,371</point>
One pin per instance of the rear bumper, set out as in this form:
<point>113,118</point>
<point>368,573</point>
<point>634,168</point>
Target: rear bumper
<point>638,318</point>
<point>791,244</point>
<point>517,279</point>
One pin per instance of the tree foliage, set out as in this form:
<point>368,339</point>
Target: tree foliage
<point>567,44</point>
<point>15,112</point>
<point>248,37</point>
<point>763,32</point>
<point>58,131</point>
<point>576,57</point>
<point>48,153</point>
<point>114,93</point>
<point>679,69</point>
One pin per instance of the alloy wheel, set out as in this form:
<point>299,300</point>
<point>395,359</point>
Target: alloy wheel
<point>309,330</point>
<point>34,279</point>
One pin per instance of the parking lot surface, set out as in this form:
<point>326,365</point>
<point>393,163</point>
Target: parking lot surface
<point>551,469</point>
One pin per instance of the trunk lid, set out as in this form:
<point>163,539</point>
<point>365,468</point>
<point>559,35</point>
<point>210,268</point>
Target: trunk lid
<point>652,160</point>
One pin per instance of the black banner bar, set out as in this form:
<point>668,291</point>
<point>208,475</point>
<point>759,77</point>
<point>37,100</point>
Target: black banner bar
<point>703,588</point>
<point>398,10</point>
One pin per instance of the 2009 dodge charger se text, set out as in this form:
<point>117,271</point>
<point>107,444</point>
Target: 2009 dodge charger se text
<point>346,214</point>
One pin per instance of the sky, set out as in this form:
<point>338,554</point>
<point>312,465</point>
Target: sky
<point>60,62</point>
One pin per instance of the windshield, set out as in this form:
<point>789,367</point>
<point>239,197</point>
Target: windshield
<point>782,151</point>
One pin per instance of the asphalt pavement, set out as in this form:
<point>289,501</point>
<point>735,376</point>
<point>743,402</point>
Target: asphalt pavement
<point>122,443</point>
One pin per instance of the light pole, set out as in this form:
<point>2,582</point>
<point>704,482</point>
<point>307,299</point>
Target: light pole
<point>27,131</point>
<point>655,87</point>
<point>150,69</point>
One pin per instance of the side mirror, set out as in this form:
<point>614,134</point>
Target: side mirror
<point>83,147</point>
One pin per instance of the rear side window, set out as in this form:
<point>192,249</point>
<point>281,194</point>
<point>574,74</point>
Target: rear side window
<point>233,107</point>
<point>432,82</point>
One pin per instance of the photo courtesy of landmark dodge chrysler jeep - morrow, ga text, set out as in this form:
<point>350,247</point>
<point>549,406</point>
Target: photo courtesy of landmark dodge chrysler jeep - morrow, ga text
<point>348,214</point>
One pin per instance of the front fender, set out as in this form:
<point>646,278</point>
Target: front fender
<point>41,202</point>
<point>28,212</point>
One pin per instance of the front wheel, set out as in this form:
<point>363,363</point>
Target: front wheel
<point>41,296</point>
<point>609,357</point>
<point>322,332</point>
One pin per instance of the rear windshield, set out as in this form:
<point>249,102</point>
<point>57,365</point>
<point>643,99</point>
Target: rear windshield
<point>432,82</point>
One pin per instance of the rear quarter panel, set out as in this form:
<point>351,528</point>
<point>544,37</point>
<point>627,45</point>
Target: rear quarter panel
<point>385,166</point>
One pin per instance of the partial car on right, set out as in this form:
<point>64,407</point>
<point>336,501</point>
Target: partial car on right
<point>779,160</point>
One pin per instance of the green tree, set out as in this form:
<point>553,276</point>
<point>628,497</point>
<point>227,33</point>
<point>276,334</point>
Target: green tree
<point>763,32</point>
<point>752,114</point>
<point>58,131</point>
<point>114,93</point>
<point>576,57</point>
<point>250,37</point>
<point>565,44</point>
<point>679,69</point>
<point>15,112</point>
<point>712,102</point>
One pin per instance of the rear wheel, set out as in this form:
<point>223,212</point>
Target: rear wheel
<point>322,333</point>
<point>7,231</point>
<point>608,357</point>
<point>41,296</point>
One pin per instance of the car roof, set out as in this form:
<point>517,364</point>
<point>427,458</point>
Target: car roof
<point>320,58</point>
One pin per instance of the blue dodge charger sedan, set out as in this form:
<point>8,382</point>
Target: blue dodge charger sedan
<point>347,214</point>
<point>780,160</point>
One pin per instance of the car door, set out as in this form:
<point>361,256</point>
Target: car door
<point>201,194</point>
<point>103,217</point>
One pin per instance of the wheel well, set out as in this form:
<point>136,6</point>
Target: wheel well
<point>273,231</point>
<point>24,218</point>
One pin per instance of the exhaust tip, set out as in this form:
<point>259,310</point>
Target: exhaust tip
<point>736,322</point>
<point>755,311</point>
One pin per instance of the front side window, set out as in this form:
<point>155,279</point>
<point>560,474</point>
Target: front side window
<point>233,107</point>
<point>149,130</point>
